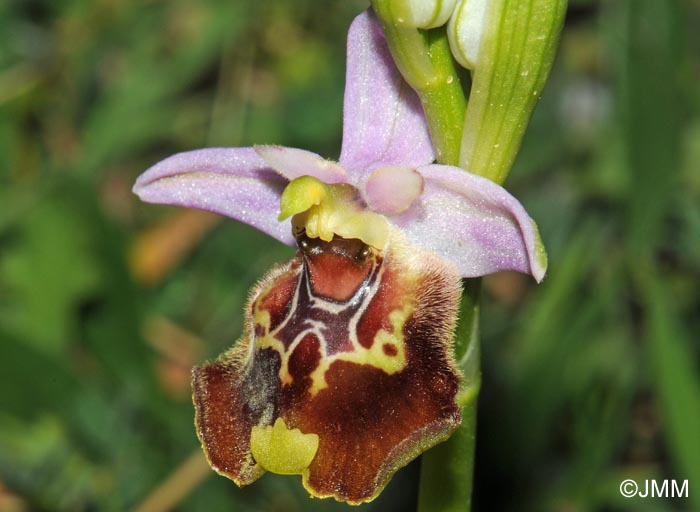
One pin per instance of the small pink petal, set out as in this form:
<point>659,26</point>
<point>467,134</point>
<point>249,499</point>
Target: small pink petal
<point>393,189</point>
<point>293,163</point>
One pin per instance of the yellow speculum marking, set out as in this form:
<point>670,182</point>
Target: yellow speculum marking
<point>390,361</point>
<point>282,450</point>
<point>373,356</point>
<point>262,319</point>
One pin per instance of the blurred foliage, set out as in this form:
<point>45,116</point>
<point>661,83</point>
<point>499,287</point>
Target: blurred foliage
<point>105,303</point>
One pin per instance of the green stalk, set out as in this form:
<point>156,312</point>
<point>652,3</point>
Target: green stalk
<point>444,101</point>
<point>447,470</point>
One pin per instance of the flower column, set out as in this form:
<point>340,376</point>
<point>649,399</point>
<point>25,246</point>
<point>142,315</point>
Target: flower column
<point>509,46</point>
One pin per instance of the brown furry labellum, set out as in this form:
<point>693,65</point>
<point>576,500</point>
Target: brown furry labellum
<point>344,373</point>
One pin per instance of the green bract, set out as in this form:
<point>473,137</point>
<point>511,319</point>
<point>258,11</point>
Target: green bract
<point>515,55</point>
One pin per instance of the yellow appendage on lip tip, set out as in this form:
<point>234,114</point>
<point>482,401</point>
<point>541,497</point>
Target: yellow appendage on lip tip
<point>324,210</point>
<point>281,450</point>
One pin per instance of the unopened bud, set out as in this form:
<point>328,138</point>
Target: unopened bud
<point>423,13</point>
<point>466,30</point>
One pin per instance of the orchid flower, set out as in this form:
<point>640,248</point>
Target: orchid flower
<point>345,371</point>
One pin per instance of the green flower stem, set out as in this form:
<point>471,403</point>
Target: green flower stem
<point>425,61</point>
<point>516,56</point>
<point>447,470</point>
<point>444,101</point>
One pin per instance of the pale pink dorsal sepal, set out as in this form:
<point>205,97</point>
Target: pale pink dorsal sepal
<point>235,182</point>
<point>383,120</point>
<point>293,163</point>
<point>474,223</point>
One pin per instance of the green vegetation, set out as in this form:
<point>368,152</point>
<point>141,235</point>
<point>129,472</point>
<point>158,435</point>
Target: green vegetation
<point>590,378</point>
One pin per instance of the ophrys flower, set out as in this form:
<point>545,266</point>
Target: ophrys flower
<point>345,371</point>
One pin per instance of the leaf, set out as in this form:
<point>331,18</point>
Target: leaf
<point>676,382</point>
<point>650,97</point>
<point>48,271</point>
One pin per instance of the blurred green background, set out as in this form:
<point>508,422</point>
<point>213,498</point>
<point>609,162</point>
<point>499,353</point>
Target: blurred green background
<point>106,303</point>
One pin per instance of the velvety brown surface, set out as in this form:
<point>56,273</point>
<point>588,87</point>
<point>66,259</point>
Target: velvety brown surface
<point>370,420</point>
<point>222,426</point>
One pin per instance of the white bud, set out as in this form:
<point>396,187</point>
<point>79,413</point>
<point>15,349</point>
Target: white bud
<point>425,13</point>
<point>466,30</point>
